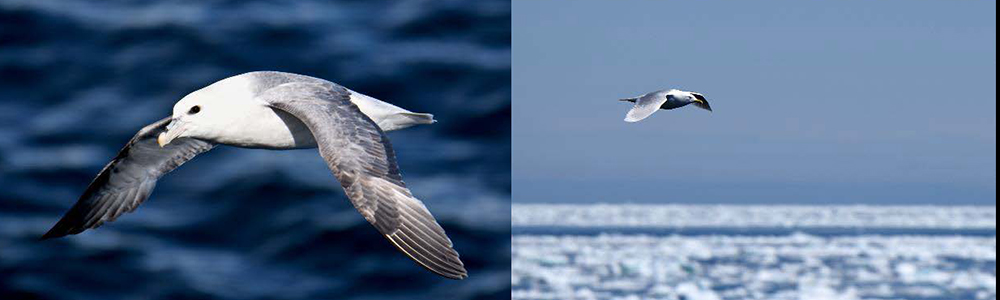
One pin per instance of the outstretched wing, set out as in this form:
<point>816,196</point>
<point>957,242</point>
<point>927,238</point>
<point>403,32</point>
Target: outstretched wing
<point>360,156</point>
<point>645,106</point>
<point>127,180</point>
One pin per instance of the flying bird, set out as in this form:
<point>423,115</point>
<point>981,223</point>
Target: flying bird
<point>276,110</point>
<point>649,103</point>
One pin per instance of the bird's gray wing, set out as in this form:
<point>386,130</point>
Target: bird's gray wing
<point>127,180</point>
<point>645,106</point>
<point>360,156</point>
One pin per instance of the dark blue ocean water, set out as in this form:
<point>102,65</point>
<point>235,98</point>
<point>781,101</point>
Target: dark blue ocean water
<point>79,78</point>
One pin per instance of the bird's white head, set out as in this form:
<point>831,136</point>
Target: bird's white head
<point>211,111</point>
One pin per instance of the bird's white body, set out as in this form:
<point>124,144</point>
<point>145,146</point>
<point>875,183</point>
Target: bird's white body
<point>242,120</point>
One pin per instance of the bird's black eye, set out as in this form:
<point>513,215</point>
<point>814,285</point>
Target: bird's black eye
<point>194,109</point>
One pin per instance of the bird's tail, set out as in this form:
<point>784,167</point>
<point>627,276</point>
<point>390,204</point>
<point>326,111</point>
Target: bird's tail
<point>419,118</point>
<point>405,119</point>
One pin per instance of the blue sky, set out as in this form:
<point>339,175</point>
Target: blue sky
<point>836,102</point>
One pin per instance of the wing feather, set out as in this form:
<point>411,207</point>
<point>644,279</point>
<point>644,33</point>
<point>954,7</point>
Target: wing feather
<point>645,106</point>
<point>361,158</point>
<point>127,180</point>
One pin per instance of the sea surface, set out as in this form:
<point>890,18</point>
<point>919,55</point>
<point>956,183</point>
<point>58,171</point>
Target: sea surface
<point>78,78</point>
<point>712,252</point>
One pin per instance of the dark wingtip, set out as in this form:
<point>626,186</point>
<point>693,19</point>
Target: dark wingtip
<point>55,232</point>
<point>703,103</point>
<point>706,107</point>
<point>628,100</point>
<point>59,230</point>
<point>50,235</point>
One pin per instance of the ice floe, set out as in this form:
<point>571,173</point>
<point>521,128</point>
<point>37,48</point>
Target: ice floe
<point>850,264</point>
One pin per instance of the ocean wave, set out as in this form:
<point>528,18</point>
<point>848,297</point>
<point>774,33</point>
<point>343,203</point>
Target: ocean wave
<point>78,78</point>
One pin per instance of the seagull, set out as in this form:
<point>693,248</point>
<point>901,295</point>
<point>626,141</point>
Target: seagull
<point>276,110</point>
<point>649,103</point>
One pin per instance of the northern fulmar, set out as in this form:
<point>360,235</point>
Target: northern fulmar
<point>276,110</point>
<point>649,103</point>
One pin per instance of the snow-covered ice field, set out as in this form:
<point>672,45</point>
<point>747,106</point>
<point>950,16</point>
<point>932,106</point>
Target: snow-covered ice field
<point>753,252</point>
